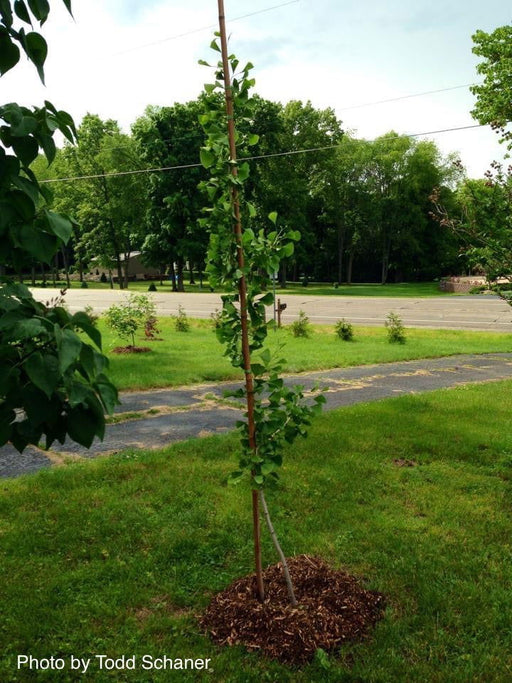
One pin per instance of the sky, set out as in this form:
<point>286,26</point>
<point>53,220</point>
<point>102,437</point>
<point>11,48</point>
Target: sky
<point>118,56</point>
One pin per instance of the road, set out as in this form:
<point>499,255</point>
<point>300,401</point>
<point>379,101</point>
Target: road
<point>443,312</point>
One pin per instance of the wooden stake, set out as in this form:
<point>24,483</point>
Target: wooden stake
<point>242,291</point>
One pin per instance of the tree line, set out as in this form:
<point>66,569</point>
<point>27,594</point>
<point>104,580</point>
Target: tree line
<point>362,207</point>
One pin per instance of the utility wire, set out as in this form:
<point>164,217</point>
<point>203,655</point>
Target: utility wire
<point>356,106</point>
<point>252,158</point>
<point>406,97</point>
<point>203,28</point>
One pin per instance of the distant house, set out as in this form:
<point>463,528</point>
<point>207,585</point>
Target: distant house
<point>136,269</point>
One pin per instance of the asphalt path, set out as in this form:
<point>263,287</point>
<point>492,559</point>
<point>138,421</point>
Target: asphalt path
<point>169,415</point>
<point>482,312</point>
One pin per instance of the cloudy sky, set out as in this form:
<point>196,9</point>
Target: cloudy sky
<point>118,56</point>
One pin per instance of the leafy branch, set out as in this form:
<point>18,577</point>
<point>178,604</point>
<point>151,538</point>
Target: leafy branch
<point>243,261</point>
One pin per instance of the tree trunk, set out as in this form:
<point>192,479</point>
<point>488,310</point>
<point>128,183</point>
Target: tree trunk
<point>172,273</point>
<point>55,273</point>
<point>283,274</point>
<point>33,275</point>
<point>277,546</point>
<point>119,269</point>
<point>66,266</point>
<point>349,267</point>
<point>242,292</point>
<point>191,270</point>
<point>341,247</point>
<point>126,266</point>
<point>180,265</point>
<point>385,262</point>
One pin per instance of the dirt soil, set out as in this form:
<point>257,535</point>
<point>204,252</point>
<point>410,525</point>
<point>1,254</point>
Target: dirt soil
<point>333,608</point>
<point>131,349</point>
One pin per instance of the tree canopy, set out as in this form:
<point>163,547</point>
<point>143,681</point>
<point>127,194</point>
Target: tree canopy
<point>52,382</point>
<point>494,100</point>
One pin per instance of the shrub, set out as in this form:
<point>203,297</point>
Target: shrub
<point>301,327</point>
<point>84,285</point>
<point>132,313</point>
<point>93,317</point>
<point>216,319</point>
<point>150,328</point>
<point>152,287</point>
<point>344,330</point>
<point>305,281</point>
<point>395,328</point>
<point>103,277</point>
<point>181,323</point>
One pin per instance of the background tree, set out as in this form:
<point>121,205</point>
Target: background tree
<point>166,137</point>
<point>483,221</point>
<point>340,186</point>
<point>52,383</point>
<point>494,101</point>
<point>109,210</point>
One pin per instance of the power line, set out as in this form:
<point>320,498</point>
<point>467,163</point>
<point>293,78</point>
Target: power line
<point>203,28</point>
<point>252,158</point>
<point>359,106</point>
<point>406,97</point>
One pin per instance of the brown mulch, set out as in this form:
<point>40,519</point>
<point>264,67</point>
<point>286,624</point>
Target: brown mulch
<point>403,462</point>
<point>131,349</point>
<point>333,608</point>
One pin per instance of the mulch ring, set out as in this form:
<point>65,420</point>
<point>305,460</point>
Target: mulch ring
<point>333,609</point>
<point>131,349</point>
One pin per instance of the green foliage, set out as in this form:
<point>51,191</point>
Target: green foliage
<point>150,328</point>
<point>181,323</point>
<point>484,221</point>
<point>167,136</point>
<point>395,328</point>
<point>280,414</point>
<point>130,315</point>
<point>494,105</point>
<point>152,287</point>
<point>344,330</point>
<point>301,326</point>
<point>93,317</point>
<point>52,383</point>
<point>216,319</point>
<point>109,210</point>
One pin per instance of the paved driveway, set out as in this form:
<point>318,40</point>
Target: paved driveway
<point>178,414</point>
<point>448,312</point>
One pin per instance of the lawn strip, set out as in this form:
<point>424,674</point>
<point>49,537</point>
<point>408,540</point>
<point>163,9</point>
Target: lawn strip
<point>119,555</point>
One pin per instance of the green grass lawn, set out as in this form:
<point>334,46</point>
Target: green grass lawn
<point>402,289</point>
<point>118,556</point>
<point>196,356</point>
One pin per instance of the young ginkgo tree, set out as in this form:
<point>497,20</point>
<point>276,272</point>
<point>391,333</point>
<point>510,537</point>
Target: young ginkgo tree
<point>242,261</point>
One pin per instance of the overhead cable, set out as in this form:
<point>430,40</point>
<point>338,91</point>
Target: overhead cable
<point>253,158</point>
<point>406,97</point>
<point>203,28</point>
